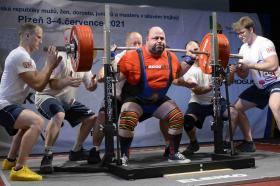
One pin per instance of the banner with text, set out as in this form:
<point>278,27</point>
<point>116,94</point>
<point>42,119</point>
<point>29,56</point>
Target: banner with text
<point>180,26</point>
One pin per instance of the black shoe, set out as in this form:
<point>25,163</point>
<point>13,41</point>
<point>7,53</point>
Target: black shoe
<point>226,144</point>
<point>193,147</point>
<point>46,164</point>
<point>79,155</point>
<point>166,152</point>
<point>94,156</point>
<point>246,146</point>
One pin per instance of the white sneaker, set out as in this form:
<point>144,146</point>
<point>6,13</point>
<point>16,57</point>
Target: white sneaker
<point>124,160</point>
<point>178,158</point>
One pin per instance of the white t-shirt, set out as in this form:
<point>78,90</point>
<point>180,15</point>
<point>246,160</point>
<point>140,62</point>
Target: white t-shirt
<point>66,95</point>
<point>202,80</point>
<point>119,84</point>
<point>13,90</point>
<point>257,52</point>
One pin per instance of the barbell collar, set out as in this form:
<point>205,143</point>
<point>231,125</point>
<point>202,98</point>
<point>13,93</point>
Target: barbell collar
<point>238,56</point>
<point>67,48</point>
<point>58,48</point>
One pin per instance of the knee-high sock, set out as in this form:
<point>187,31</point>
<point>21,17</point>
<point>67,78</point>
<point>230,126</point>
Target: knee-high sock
<point>125,145</point>
<point>174,143</point>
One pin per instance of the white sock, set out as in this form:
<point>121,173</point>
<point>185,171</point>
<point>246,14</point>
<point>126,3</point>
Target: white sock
<point>48,150</point>
<point>77,147</point>
<point>97,148</point>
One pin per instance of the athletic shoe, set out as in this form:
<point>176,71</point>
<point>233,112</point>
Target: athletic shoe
<point>46,164</point>
<point>124,160</point>
<point>79,155</point>
<point>24,174</point>
<point>192,147</point>
<point>8,165</point>
<point>94,156</point>
<point>246,146</point>
<point>226,144</point>
<point>178,158</point>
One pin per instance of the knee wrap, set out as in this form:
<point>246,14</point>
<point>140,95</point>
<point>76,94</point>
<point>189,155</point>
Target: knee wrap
<point>189,123</point>
<point>128,120</point>
<point>175,119</point>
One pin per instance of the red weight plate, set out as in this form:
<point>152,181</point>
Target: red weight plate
<point>205,46</point>
<point>82,37</point>
<point>205,60</point>
<point>224,50</point>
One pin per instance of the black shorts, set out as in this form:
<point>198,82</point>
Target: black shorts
<point>202,111</point>
<point>148,108</point>
<point>9,115</point>
<point>259,96</point>
<point>144,116</point>
<point>74,113</point>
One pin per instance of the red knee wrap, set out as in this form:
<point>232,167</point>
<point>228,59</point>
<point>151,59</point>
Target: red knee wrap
<point>175,119</point>
<point>128,120</point>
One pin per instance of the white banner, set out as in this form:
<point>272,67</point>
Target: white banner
<point>180,26</point>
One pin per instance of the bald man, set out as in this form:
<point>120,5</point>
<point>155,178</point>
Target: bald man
<point>201,102</point>
<point>149,72</point>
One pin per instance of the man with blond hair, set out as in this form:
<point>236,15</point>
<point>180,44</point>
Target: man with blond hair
<point>261,60</point>
<point>19,76</point>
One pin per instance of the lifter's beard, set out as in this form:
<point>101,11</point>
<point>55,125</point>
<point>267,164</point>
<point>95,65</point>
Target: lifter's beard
<point>157,50</point>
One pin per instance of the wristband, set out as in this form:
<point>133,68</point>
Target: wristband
<point>113,55</point>
<point>189,60</point>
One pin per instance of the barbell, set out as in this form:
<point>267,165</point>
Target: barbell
<point>82,51</point>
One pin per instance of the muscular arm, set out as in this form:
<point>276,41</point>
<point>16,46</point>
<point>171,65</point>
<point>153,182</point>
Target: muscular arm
<point>59,84</point>
<point>179,81</point>
<point>121,76</point>
<point>201,90</point>
<point>232,70</point>
<point>242,71</point>
<point>184,68</point>
<point>270,64</point>
<point>37,79</point>
<point>93,84</point>
<point>189,83</point>
<point>100,77</point>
